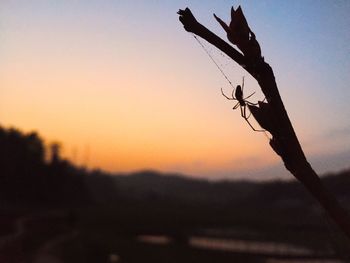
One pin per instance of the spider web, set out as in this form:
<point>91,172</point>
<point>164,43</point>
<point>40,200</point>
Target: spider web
<point>232,75</point>
<point>225,65</point>
<point>220,65</point>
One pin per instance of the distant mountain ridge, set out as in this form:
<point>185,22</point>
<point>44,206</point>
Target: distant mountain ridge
<point>153,185</point>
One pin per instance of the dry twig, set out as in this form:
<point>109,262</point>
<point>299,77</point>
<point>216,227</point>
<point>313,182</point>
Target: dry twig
<point>271,115</point>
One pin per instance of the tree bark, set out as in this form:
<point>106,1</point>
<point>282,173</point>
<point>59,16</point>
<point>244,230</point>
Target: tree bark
<point>271,115</point>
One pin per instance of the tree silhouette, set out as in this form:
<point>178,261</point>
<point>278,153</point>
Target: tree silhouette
<point>25,176</point>
<point>271,115</point>
<point>55,150</point>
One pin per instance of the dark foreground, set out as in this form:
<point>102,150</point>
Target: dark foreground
<point>53,211</point>
<point>86,235</point>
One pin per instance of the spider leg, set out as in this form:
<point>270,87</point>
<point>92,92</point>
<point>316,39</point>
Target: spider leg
<point>249,95</point>
<point>251,103</point>
<point>249,115</point>
<point>227,97</point>
<point>236,106</point>
<point>251,126</point>
<point>248,102</point>
<point>243,111</point>
<point>244,115</point>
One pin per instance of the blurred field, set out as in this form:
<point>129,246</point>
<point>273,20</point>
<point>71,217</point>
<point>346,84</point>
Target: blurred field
<point>52,211</point>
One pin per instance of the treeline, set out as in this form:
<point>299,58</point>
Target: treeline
<point>31,173</point>
<point>26,177</point>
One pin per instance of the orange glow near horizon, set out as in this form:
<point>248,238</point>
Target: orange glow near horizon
<point>123,91</point>
<point>126,123</point>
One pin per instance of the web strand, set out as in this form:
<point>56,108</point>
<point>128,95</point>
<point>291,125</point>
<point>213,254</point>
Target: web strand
<point>212,59</point>
<point>222,72</point>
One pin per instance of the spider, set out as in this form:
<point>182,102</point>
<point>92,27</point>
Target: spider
<point>237,94</point>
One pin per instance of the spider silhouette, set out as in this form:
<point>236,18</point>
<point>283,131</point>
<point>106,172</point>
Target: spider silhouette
<point>237,94</point>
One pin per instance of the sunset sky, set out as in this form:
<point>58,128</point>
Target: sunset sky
<point>124,87</point>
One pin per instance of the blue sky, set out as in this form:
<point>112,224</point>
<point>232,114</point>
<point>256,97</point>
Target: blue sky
<point>124,79</point>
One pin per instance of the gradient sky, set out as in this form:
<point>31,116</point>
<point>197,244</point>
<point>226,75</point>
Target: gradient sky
<point>123,87</point>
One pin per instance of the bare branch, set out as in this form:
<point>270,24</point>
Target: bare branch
<point>191,25</point>
<point>271,115</point>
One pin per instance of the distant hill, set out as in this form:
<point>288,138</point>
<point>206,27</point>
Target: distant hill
<point>152,185</point>
<point>27,178</point>
<point>149,202</point>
